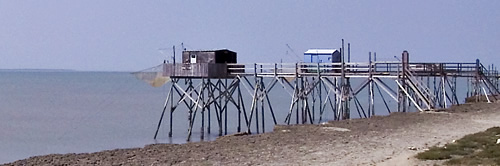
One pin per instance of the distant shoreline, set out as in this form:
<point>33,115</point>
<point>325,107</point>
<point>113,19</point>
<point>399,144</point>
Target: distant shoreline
<point>37,70</point>
<point>56,70</point>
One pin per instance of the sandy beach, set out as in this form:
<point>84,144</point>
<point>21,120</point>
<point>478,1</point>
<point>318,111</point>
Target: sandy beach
<point>380,140</point>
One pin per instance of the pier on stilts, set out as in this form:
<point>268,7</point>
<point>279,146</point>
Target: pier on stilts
<point>207,89</point>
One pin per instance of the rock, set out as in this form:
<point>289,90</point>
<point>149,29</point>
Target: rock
<point>241,134</point>
<point>234,135</point>
<point>336,129</point>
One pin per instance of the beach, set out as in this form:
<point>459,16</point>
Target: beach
<point>380,140</point>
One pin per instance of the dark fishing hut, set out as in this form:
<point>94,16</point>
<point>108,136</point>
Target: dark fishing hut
<point>202,64</point>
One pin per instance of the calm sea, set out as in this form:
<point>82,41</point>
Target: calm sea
<point>76,112</point>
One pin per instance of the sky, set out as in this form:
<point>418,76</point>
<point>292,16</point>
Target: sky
<point>126,35</point>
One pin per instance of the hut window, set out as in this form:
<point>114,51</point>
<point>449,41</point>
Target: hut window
<point>193,58</point>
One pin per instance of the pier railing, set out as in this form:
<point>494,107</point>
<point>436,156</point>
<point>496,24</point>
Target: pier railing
<point>375,69</point>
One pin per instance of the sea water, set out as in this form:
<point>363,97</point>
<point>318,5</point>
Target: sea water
<point>74,112</point>
<point>79,112</point>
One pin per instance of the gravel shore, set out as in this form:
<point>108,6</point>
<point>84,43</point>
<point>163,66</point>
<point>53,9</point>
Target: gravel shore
<point>380,140</point>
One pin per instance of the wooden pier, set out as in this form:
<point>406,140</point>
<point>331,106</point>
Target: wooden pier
<point>315,88</point>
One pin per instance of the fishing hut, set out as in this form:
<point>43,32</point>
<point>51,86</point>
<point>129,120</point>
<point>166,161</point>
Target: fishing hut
<point>202,64</point>
<point>324,55</point>
<point>209,84</point>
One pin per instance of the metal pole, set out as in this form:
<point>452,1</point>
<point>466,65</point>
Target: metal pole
<point>174,81</point>
<point>348,51</point>
<point>348,84</point>
<point>477,83</point>
<point>297,102</point>
<point>372,104</point>
<point>239,107</point>
<point>220,108</point>
<point>320,97</point>
<point>369,81</point>
<point>399,89</point>
<point>444,91</point>
<point>335,110</point>
<point>191,105</point>
<point>173,57</point>
<point>225,105</point>
<point>202,94</point>
<point>263,116</point>
<point>342,79</point>
<point>210,93</point>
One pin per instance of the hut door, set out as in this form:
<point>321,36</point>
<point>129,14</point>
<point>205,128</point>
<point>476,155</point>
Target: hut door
<point>193,58</point>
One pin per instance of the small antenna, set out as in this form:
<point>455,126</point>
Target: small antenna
<point>290,48</point>
<point>397,58</point>
<point>349,52</point>
<point>162,51</point>
<point>173,58</point>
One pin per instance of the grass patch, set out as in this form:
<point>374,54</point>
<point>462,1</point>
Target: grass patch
<point>473,149</point>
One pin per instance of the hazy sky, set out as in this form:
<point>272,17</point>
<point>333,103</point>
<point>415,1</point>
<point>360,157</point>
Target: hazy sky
<point>120,35</point>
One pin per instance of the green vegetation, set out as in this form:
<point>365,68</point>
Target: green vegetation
<point>474,149</point>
